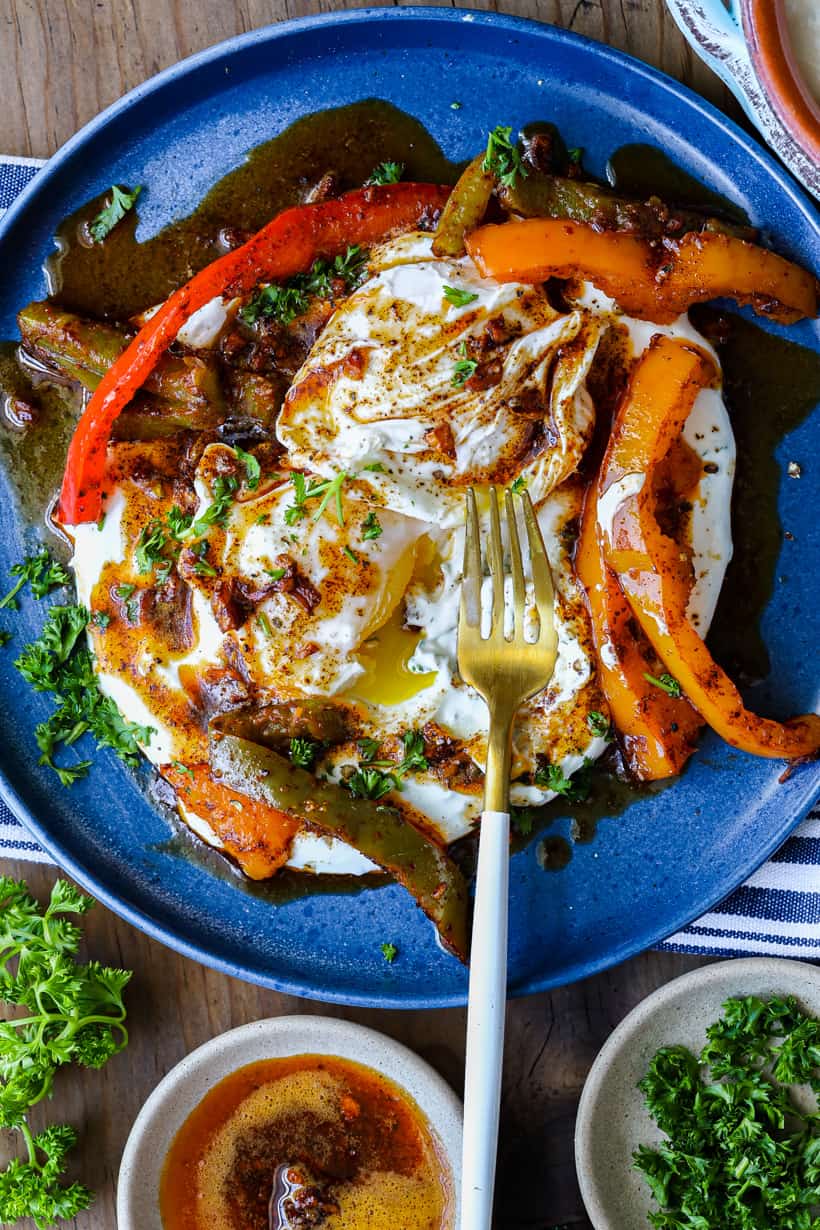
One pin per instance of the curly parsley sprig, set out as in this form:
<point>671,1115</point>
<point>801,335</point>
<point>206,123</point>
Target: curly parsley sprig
<point>740,1154</point>
<point>71,1013</point>
<point>502,158</point>
<point>60,662</point>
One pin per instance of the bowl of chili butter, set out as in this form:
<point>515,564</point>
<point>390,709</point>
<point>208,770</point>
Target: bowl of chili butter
<point>291,1123</point>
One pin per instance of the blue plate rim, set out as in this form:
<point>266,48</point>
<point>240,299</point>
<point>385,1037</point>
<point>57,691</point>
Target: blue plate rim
<point>226,49</point>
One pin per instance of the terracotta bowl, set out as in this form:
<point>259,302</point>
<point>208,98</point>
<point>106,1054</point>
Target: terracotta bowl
<point>752,46</point>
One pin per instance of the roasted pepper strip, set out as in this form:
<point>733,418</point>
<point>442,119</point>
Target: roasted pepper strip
<point>86,349</point>
<point>648,564</point>
<point>543,195</point>
<point>654,281</point>
<point>255,834</point>
<point>465,209</point>
<point>287,245</point>
<point>657,733</point>
<point>378,832</point>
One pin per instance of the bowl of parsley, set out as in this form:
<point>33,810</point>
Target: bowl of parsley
<point>701,1111</point>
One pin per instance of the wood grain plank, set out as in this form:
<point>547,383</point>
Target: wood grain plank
<point>64,60</point>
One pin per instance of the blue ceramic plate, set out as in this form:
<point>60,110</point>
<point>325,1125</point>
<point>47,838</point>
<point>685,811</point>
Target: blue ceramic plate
<point>667,859</point>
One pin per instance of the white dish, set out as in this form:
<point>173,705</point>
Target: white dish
<point>185,1085</point>
<point>612,1119</point>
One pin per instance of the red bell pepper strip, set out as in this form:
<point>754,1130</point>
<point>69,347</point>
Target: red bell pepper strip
<point>285,246</point>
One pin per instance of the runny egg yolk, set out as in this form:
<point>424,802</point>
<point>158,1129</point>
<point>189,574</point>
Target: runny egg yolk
<point>387,678</point>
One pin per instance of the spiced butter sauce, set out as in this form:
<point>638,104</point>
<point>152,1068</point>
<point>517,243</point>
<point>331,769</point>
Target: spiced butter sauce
<point>305,1141</point>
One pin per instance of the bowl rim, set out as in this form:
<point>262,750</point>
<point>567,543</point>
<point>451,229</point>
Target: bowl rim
<point>769,40</point>
<point>628,1032</point>
<point>177,1094</point>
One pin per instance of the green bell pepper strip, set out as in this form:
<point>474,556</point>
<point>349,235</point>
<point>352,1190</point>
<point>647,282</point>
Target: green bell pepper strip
<point>86,349</point>
<point>377,831</point>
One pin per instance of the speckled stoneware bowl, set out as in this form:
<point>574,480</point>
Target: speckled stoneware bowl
<point>612,1120</point>
<point>185,1085</point>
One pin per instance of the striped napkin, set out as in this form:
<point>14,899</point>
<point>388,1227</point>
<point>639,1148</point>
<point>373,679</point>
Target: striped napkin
<point>775,913</point>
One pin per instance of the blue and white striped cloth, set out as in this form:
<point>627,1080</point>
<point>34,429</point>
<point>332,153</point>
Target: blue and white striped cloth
<point>775,913</point>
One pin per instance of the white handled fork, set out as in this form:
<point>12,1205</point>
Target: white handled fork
<point>506,669</point>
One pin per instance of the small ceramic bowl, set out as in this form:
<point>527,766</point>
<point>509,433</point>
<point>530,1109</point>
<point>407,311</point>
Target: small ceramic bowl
<point>763,50</point>
<point>185,1085</point>
<point>612,1119</point>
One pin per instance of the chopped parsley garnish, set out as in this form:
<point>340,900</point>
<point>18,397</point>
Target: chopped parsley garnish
<point>371,527</point>
<point>73,1012</point>
<point>178,522</point>
<point>112,213</point>
<point>329,489</point>
<point>459,298</point>
<point>519,485</point>
<point>101,522</point>
<point>598,723</point>
<point>414,758</point>
<point>183,768</point>
<point>574,789</point>
<point>297,508</point>
<point>389,952</point>
<point>59,662</point>
<point>667,683</point>
<point>201,566</point>
<point>375,778</point>
<point>522,820</point>
<point>739,1153</point>
<point>285,302</point>
<point>502,158</point>
<point>224,489</point>
<point>276,573</point>
<point>386,173</point>
<point>370,783</point>
<point>100,619</point>
<point>351,555</point>
<point>150,546</point>
<point>41,572</point>
<point>124,591</point>
<point>253,470</point>
<point>375,467</point>
<point>303,752</point>
<point>464,368</point>
<point>368,749</point>
<point>264,623</point>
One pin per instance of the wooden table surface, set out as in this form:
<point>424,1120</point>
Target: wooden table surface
<point>62,61</point>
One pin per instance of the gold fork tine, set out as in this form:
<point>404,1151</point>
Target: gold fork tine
<point>505,672</point>
<point>471,571</point>
<point>541,573</point>
<point>519,589</point>
<point>496,562</point>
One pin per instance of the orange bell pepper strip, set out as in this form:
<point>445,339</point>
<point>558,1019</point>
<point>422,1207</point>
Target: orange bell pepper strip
<point>656,281</point>
<point>255,834</point>
<point>648,563</point>
<point>285,246</point>
<point>657,733</point>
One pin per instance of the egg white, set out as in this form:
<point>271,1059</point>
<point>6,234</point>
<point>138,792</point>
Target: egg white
<point>379,417</point>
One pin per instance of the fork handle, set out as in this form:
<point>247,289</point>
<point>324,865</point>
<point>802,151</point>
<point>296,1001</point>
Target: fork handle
<point>485,1022</point>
